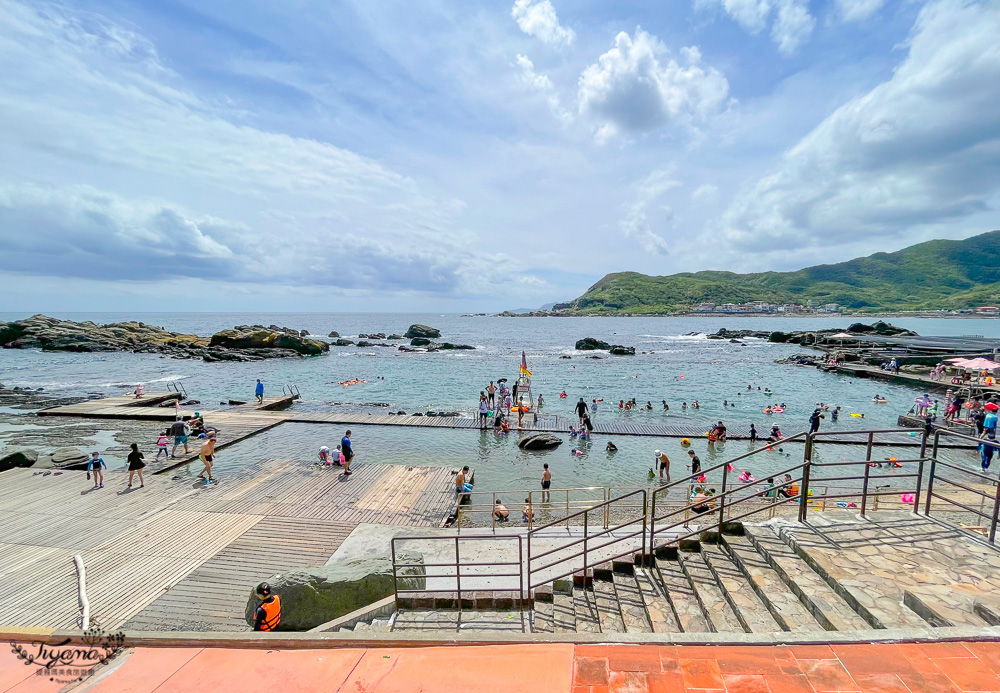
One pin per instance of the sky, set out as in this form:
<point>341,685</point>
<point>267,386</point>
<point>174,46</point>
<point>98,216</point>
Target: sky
<point>314,155</point>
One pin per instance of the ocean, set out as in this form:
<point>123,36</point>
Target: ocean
<point>670,364</point>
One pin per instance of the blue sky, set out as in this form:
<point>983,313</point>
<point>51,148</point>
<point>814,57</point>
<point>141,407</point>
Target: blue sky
<point>317,155</point>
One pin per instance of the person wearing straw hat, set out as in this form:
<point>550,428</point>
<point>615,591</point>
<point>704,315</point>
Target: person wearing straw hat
<point>664,463</point>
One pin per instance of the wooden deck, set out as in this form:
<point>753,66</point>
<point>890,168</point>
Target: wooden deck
<point>240,422</point>
<point>181,555</point>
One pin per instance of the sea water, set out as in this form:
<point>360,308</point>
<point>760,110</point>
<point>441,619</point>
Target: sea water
<point>670,364</point>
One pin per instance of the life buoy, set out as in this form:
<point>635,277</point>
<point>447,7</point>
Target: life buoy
<point>907,498</point>
<point>685,442</point>
<point>712,438</point>
<point>778,410</point>
<point>562,395</point>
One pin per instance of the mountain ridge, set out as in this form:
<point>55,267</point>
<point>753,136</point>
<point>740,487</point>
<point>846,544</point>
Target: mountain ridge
<point>933,275</point>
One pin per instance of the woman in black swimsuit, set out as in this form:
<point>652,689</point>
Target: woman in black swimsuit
<point>135,464</point>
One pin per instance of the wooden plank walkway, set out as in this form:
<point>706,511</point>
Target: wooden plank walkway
<point>181,555</point>
<point>240,422</point>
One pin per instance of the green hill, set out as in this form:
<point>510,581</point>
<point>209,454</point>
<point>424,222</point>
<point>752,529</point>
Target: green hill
<point>933,275</point>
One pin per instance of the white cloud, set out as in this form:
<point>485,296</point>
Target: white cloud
<point>635,223</point>
<point>543,85</point>
<point>538,18</point>
<point>179,185</point>
<point>791,25</point>
<point>705,193</point>
<point>918,149</point>
<point>635,87</point>
<point>858,10</point>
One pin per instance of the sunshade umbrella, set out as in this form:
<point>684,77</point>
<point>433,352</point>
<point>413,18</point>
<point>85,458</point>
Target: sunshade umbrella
<point>923,400</point>
<point>979,364</point>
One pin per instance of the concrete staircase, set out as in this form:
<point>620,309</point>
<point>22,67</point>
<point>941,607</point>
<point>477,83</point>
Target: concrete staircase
<point>846,574</point>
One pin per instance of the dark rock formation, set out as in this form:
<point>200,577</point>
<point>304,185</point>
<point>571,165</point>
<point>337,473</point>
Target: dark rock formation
<point>420,341</point>
<point>333,334</point>
<point>343,342</point>
<point>540,441</point>
<point>17,457</point>
<point>619,350</point>
<point>242,343</point>
<point>590,344</point>
<point>313,596</point>
<point>395,336</point>
<point>422,331</point>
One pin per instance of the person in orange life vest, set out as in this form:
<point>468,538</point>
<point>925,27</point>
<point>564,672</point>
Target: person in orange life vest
<point>268,614</point>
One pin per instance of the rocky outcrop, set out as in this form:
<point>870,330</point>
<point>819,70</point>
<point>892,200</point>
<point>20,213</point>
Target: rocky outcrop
<point>242,343</point>
<point>619,350</point>
<point>590,344</point>
<point>255,338</point>
<point>343,342</point>
<point>420,341</point>
<point>540,441</point>
<point>395,336</point>
<point>67,458</point>
<point>880,328</point>
<point>333,334</point>
<point>17,457</point>
<point>422,331</point>
<point>448,346</point>
<point>313,596</point>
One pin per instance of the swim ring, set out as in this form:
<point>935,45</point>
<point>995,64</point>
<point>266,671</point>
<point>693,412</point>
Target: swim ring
<point>685,442</point>
<point>778,410</point>
<point>702,479</point>
<point>907,498</point>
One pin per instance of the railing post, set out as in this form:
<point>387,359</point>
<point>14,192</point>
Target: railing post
<point>395,588</point>
<point>996,514</point>
<point>520,573</point>
<point>864,488</point>
<point>920,479</point>
<point>458,575</point>
<point>722,499</point>
<point>652,522</point>
<point>645,508</point>
<point>567,508</point>
<point>806,465</point>
<point>930,484</point>
<point>585,532</point>
<point>493,513</point>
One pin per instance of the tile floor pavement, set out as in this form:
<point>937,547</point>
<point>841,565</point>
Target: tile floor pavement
<point>967,667</point>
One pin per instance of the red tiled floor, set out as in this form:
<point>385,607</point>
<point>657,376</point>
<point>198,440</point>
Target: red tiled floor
<point>745,683</point>
<point>827,675</point>
<point>987,652</point>
<point>929,683</point>
<point>144,669</point>
<point>913,655</point>
<point>881,683</point>
<point>812,652</point>
<point>788,683</point>
<point>861,660</point>
<point>756,660</point>
<point>701,673</point>
<point>969,674</point>
<point>590,671</point>
<point>666,682</point>
<point>627,682</point>
<point>940,650</point>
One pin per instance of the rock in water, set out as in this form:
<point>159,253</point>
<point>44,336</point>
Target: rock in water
<point>69,458</point>
<point>420,341</point>
<point>540,441</point>
<point>313,596</point>
<point>334,334</point>
<point>17,457</point>
<point>422,331</point>
<point>590,344</point>
<point>619,350</point>
<point>255,338</point>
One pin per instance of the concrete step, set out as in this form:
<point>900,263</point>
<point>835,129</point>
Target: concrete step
<point>747,606</point>
<point>819,599</point>
<point>630,601</point>
<point>606,602</point>
<point>765,581</point>
<point>380,625</point>
<point>542,617</point>
<point>362,627</point>
<point>718,613</point>
<point>563,613</point>
<point>879,603</point>
<point>658,609</point>
<point>677,587</point>
<point>585,608</point>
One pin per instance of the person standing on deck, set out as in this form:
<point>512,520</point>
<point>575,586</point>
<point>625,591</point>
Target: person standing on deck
<point>97,466</point>
<point>347,451</point>
<point>135,464</point>
<point>520,412</point>
<point>207,455</point>
<point>491,390</point>
<point>259,392</point>
<point>484,408</point>
<point>581,409</point>
<point>268,614</point>
<point>180,431</point>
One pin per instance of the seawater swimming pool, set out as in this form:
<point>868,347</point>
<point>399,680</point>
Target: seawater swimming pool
<point>500,465</point>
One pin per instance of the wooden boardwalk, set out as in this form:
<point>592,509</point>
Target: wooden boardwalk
<point>181,555</point>
<point>240,422</point>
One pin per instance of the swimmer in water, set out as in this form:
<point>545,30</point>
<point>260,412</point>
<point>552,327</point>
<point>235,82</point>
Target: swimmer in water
<point>684,406</point>
<point>611,447</point>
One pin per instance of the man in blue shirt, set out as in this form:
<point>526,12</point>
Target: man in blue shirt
<point>259,392</point>
<point>347,451</point>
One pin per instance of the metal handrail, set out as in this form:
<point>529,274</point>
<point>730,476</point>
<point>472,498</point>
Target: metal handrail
<point>586,538</point>
<point>458,565</point>
<point>933,476</point>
